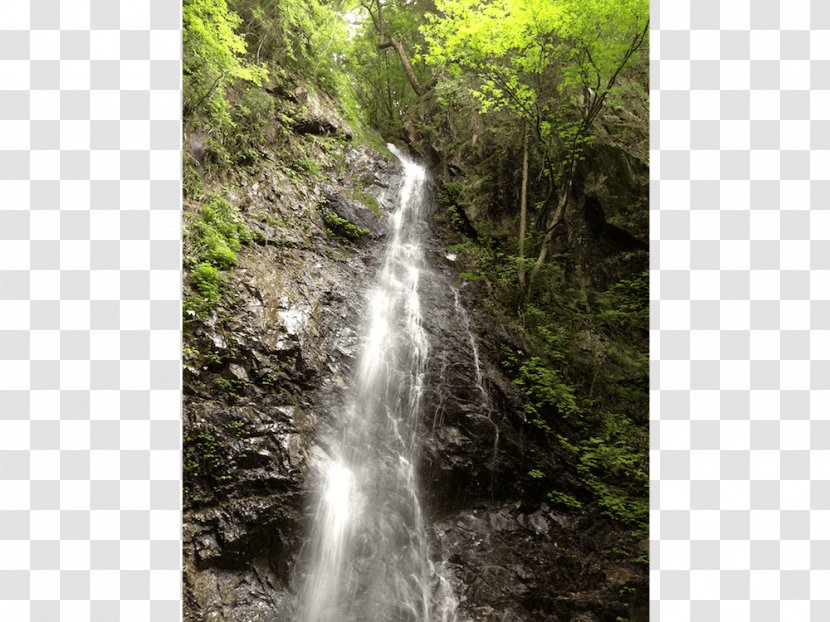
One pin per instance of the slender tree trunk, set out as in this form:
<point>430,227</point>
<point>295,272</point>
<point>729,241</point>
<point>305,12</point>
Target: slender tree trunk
<point>407,67</point>
<point>523,215</point>
<point>385,42</point>
<point>558,215</point>
<point>194,107</point>
<point>593,106</point>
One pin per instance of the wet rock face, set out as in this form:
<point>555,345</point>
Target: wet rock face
<point>609,218</point>
<point>276,370</point>
<point>512,561</point>
<point>510,555</point>
<point>272,368</point>
<point>318,114</point>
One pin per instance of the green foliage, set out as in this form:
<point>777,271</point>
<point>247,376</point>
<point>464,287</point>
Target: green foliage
<point>252,118</point>
<point>485,260</point>
<point>340,227</point>
<point>511,44</point>
<point>271,220</point>
<point>619,451</point>
<point>208,281</point>
<point>236,427</point>
<point>379,86</point>
<point>499,40</point>
<point>213,58</point>
<point>563,339</point>
<point>616,504</point>
<point>219,232</point>
<point>308,166</point>
<point>544,388</point>
<point>232,387</point>
<point>215,237</point>
<point>191,466</point>
<point>539,70</point>
<point>455,217</point>
<point>233,49</point>
<point>542,326</point>
<point>614,466</point>
<point>563,500</point>
<point>307,37</point>
<point>207,450</point>
<point>625,304</point>
<point>536,474</point>
<point>469,276</point>
<point>192,185</point>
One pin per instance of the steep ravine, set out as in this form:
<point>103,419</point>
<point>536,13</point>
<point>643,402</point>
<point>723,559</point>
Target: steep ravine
<point>271,368</point>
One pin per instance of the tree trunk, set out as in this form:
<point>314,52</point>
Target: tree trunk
<point>385,42</point>
<point>407,67</point>
<point>558,215</point>
<point>523,216</point>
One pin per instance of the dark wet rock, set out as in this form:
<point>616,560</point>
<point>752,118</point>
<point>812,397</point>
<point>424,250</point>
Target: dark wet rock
<point>356,213</point>
<point>318,114</point>
<point>276,363</point>
<point>261,405</point>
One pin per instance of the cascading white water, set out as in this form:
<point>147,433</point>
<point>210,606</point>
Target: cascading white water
<point>465,322</point>
<point>461,312</point>
<point>368,556</point>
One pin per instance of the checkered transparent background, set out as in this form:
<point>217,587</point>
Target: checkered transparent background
<point>89,310</point>
<point>741,310</point>
<point>90,517</point>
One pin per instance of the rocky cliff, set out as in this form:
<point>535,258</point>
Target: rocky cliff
<point>266,368</point>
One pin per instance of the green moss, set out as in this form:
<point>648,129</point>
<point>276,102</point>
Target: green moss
<point>216,237</point>
<point>340,227</point>
<point>271,220</point>
<point>369,201</point>
<point>308,166</point>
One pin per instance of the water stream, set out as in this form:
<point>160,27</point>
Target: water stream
<point>484,395</point>
<point>368,558</point>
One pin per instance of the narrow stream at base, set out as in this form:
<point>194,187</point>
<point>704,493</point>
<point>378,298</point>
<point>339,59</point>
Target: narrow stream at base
<point>368,557</point>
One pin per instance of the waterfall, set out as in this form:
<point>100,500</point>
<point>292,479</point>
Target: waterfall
<point>486,403</point>
<point>368,557</point>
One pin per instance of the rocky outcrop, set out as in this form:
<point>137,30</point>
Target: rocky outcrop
<point>266,374</point>
<point>269,370</point>
<point>318,114</point>
<point>511,555</point>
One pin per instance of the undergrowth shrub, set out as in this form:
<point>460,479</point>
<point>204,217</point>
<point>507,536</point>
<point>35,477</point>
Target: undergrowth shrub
<point>546,392</point>
<point>215,237</point>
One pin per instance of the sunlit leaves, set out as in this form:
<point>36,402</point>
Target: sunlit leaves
<point>509,44</point>
<point>307,36</point>
<point>214,57</point>
<point>211,40</point>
